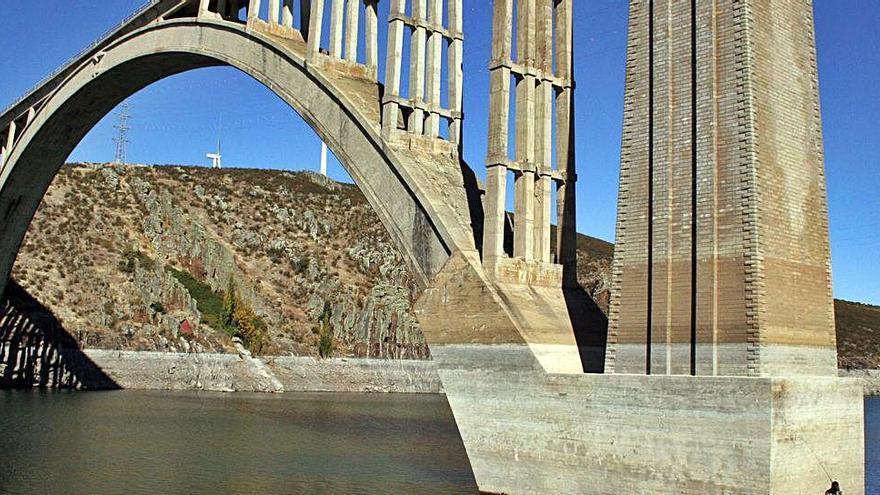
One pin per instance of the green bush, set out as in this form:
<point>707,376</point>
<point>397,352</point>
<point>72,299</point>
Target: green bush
<point>326,344</point>
<point>210,303</point>
<point>240,320</point>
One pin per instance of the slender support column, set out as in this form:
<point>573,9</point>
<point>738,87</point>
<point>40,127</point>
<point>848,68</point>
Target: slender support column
<point>305,18</point>
<point>203,7</point>
<point>566,207</point>
<point>456,68</point>
<point>352,30</point>
<point>253,11</point>
<point>10,140</point>
<point>417,68</point>
<point>273,11</point>
<point>336,28</point>
<point>495,207</point>
<point>2,156</point>
<point>31,113</point>
<point>393,67</point>
<point>371,28</point>
<point>316,22</point>
<point>434,67</point>
<point>499,132</point>
<point>544,131</point>
<point>287,13</point>
<point>524,226</point>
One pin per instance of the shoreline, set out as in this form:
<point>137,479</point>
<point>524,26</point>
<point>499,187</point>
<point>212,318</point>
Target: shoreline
<point>270,374</point>
<point>98,369</point>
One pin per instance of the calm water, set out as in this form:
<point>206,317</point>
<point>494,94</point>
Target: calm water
<point>131,442</point>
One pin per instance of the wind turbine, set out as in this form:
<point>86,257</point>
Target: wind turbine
<point>216,158</point>
<point>324,159</point>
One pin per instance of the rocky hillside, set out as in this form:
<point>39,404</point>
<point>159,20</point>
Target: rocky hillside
<point>184,259</point>
<point>147,258</point>
<point>858,334</point>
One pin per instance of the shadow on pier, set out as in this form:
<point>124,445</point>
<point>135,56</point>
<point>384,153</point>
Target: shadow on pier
<point>590,328</point>
<point>36,350</point>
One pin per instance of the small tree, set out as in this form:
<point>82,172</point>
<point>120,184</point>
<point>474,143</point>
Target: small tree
<point>325,334</point>
<point>230,303</point>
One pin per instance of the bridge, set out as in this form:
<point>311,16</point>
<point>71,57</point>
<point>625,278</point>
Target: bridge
<point>717,370</point>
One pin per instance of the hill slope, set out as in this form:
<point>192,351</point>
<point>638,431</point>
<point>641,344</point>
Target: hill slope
<point>142,257</point>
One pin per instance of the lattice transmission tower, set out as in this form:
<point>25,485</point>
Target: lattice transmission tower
<point>121,138</point>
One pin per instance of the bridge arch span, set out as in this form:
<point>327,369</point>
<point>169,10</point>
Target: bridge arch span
<point>343,111</point>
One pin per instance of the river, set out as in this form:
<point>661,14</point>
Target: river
<point>132,442</point>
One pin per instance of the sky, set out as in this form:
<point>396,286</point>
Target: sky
<point>179,119</point>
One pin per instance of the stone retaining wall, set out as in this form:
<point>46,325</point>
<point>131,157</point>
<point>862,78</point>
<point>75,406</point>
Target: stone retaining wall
<point>231,372</point>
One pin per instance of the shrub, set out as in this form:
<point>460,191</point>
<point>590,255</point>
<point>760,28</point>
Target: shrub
<point>240,320</point>
<point>210,303</point>
<point>326,344</point>
<point>132,257</point>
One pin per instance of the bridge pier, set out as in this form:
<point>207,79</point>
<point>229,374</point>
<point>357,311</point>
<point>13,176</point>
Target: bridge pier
<point>528,430</point>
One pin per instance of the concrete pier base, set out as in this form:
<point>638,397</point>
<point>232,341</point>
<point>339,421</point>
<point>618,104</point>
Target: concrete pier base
<point>531,432</point>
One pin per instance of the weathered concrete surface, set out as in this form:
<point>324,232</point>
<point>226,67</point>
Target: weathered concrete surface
<point>231,373</point>
<point>464,308</point>
<point>870,379</point>
<point>528,432</point>
<point>305,374</point>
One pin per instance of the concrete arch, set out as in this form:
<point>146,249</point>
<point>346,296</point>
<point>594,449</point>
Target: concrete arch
<point>426,228</point>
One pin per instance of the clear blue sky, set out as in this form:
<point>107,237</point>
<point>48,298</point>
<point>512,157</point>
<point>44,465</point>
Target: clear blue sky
<point>176,120</point>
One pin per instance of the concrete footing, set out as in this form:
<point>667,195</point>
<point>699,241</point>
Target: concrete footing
<point>531,432</point>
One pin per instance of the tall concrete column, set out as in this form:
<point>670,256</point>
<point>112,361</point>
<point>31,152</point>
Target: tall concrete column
<point>274,7</point>
<point>566,197</point>
<point>455,71</point>
<point>544,131</point>
<point>371,34</point>
<point>203,6</point>
<point>253,11</point>
<point>434,67</point>
<point>417,67</point>
<point>336,18</point>
<point>287,13</point>
<point>31,113</point>
<point>393,67</point>
<point>495,208</point>
<point>499,132</point>
<point>352,29</point>
<point>316,24</point>
<point>524,205</point>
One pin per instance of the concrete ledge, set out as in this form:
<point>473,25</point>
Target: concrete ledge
<point>306,374</point>
<point>230,372</point>
<point>870,379</point>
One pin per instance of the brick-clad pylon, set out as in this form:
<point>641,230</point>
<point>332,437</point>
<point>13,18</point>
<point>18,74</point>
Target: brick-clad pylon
<point>543,77</point>
<point>722,263</point>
